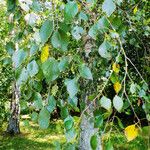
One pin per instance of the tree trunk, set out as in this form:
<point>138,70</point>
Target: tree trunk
<point>13,124</point>
<point>87,130</point>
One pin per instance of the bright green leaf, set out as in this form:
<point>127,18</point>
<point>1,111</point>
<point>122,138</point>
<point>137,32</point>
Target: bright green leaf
<point>70,135</point>
<point>32,68</point>
<point>60,40</point>
<point>109,146</point>
<point>71,9</point>
<point>34,48</point>
<point>93,31</point>
<point>85,72</point>
<point>68,122</point>
<point>50,69</point>
<point>94,142</point>
<point>51,104</point>
<point>10,48</point>
<point>46,31</point>
<point>34,116</point>
<point>73,101</point>
<point>64,112</point>
<point>98,121</point>
<point>44,117</point>
<point>72,87</point>
<point>63,64</point>
<point>11,4</point>
<point>38,103</point>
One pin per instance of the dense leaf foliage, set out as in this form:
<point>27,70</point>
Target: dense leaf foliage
<point>65,51</point>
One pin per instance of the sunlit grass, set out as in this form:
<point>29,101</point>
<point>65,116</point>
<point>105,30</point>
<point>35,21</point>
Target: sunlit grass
<point>32,137</point>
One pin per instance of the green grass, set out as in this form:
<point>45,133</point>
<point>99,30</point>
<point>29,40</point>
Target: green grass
<point>33,138</point>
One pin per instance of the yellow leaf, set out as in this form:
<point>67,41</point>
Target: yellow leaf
<point>45,53</point>
<point>117,87</point>
<point>135,10</point>
<point>131,132</point>
<point>79,7</point>
<point>116,67</point>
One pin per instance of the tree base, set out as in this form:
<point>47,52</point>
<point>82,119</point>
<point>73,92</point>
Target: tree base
<point>13,126</point>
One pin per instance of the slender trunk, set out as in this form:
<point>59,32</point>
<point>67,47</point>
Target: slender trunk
<point>13,124</point>
<point>87,129</point>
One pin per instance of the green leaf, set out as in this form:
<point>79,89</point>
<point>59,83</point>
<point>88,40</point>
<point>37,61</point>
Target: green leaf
<point>57,145</point>
<point>10,48</point>
<point>23,105</point>
<point>34,116</point>
<point>120,123</point>
<point>71,9</point>
<point>118,103</point>
<point>142,93</point>
<point>18,57</point>
<point>23,77</point>
<point>70,135</point>
<point>73,101</point>
<point>77,32</point>
<point>51,104</point>
<point>46,31</point>
<point>26,123</point>
<point>105,103</point>
<point>98,121</point>
<point>101,26</point>
<point>65,27</point>
<point>93,31</point>
<point>50,69</point>
<point>34,49</point>
<point>68,122</point>
<point>72,87</point>
<point>69,146</point>
<point>108,7</point>
<point>103,50</point>
<point>63,64</point>
<point>32,68</point>
<point>109,146</point>
<point>114,77</point>
<point>83,16</point>
<point>36,6</point>
<point>60,40</point>
<point>64,112</point>
<point>133,88</point>
<point>11,4</point>
<point>102,23</point>
<point>44,117</point>
<point>85,72</point>
<point>94,142</point>
<point>38,103</point>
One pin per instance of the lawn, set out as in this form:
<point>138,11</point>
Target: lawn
<point>33,138</point>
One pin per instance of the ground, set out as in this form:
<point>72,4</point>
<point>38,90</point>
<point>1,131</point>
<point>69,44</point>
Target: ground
<point>33,138</point>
